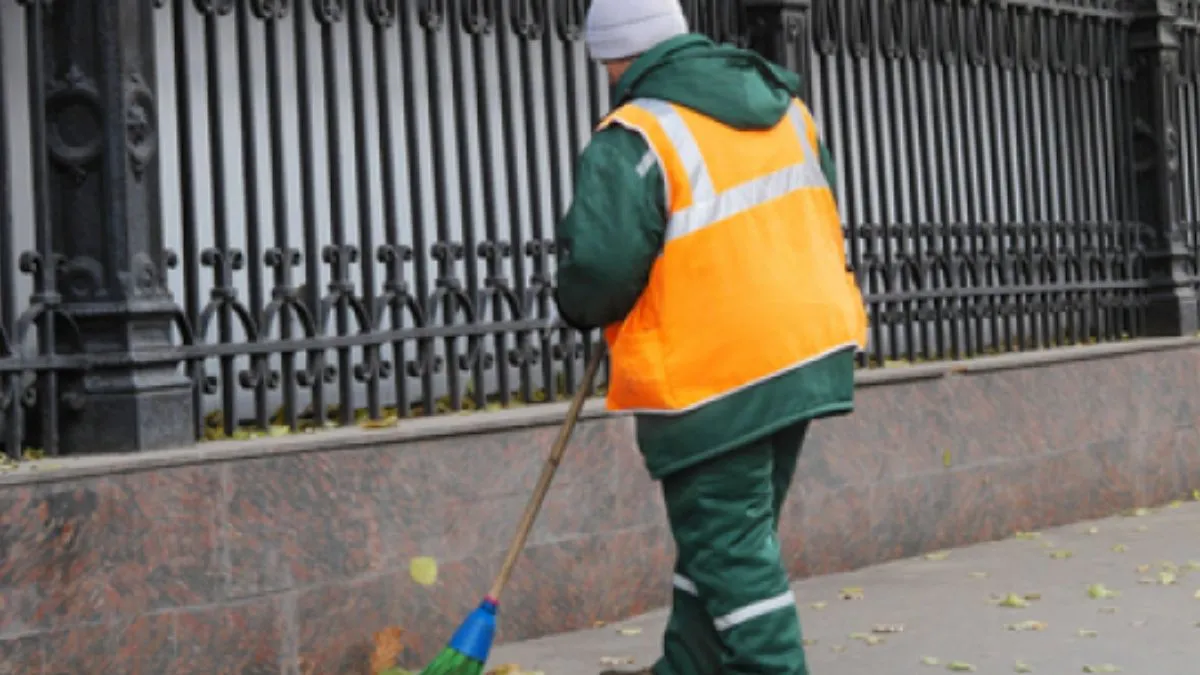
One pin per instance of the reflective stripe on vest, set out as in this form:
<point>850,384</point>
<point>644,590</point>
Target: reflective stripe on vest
<point>705,212</point>
<point>671,354</point>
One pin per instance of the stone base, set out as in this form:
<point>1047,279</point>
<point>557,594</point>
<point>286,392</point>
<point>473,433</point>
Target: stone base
<point>286,555</point>
<point>130,412</point>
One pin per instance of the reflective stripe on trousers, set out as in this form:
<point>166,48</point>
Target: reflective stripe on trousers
<point>742,614</point>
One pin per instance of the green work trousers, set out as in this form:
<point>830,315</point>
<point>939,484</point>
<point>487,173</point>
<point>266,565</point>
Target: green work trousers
<point>733,610</point>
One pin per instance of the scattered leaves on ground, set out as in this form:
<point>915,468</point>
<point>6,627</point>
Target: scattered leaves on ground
<point>1100,592</point>
<point>960,667</point>
<point>424,570</point>
<point>1166,578</point>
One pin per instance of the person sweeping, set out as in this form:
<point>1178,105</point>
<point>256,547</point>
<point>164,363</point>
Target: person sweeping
<point>704,238</point>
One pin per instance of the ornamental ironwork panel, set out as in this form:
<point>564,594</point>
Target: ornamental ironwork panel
<point>333,211</point>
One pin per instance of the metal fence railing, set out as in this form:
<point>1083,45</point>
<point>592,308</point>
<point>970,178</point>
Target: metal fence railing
<point>351,202</point>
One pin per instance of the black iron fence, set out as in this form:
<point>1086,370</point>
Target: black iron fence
<point>226,218</point>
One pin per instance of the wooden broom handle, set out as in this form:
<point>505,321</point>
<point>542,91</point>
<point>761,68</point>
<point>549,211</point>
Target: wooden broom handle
<point>543,484</point>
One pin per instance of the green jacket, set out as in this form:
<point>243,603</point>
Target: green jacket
<point>612,233</point>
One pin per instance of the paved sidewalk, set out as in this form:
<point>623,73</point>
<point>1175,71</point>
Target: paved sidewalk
<point>949,611</point>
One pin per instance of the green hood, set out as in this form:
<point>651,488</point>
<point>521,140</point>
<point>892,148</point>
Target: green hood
<point>734,86</point>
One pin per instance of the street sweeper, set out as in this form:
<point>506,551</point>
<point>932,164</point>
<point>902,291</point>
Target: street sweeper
<point>704,238</point>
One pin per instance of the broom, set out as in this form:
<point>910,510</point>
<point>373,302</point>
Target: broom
<point>469,647</point>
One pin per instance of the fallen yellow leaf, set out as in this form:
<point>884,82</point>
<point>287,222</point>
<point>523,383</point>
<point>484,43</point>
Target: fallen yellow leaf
<point>1120,548</point>
<point>837,649</point>
<point>960,667</point>
<point>277,430</point>
<point>1085,633</point>
<point>979,575</point>
<point>384,423</point>
<point>630,632</point>
<point>1102,668</point>
<point>930,661</point>
<point>616,660</point>
<point>1167,578</point>
<point>947,459</point>
<point>809,642</point>
<point>1022,667</point>
<point>1099,592</point>
<point>1061,554</point>
<point>1093,530</point>
<point>937,555</point>
<point>852,593</point>
<point>1013,600</point>
<point>819,605</point>
<point>1142,569</point>
<point>1027,535</point>
<point>1175,504</point>
<point>424,570</point>
<point>888,628</point>
<point>1024,626</point>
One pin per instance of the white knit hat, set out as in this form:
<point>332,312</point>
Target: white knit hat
<point>619,29</point>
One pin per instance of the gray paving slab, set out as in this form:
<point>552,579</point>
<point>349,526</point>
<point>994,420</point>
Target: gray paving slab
<point>949,611</point>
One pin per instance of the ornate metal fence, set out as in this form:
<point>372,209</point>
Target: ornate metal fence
<point>240,217</point>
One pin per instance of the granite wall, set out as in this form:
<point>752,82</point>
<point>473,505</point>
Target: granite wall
<point>285,555</point>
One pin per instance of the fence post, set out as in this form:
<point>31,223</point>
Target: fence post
<point>779,30</point>
<point>1154,47</point>
<point>105,226</point>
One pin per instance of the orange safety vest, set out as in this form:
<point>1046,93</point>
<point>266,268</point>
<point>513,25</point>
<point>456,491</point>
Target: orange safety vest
<point>752,280</point>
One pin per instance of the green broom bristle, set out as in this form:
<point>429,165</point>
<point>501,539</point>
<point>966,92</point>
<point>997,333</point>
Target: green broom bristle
<point>453,662</point>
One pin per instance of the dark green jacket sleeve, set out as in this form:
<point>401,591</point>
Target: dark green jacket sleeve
<point>612,233</point>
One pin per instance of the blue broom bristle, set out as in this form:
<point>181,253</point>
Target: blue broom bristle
<point>469,648</point>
